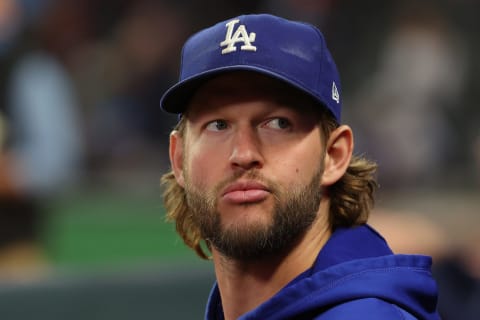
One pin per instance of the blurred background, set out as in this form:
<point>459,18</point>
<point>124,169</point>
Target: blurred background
<point>83,144</point>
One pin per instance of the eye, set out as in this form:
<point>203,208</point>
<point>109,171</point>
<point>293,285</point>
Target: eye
<point>217,125</point>
<point>279,123</point>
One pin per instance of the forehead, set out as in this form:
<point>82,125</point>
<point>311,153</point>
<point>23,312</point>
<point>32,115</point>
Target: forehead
<point>247,86</point>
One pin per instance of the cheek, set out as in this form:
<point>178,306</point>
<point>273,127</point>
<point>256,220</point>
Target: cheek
<point>300,163</point>
<point>296,171</point>
<point>202,165</point>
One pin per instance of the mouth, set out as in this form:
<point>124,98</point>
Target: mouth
<point>244,192</point>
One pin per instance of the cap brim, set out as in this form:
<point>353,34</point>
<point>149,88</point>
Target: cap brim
<point>176,99</point>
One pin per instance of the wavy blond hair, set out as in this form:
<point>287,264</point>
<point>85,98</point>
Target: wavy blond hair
<point>351,198</point>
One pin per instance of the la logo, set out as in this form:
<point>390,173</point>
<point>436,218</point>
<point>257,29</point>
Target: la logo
<point>240,35</point>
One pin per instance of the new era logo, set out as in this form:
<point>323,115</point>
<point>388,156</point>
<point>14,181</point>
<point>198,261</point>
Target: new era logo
<point>335,94</point>
<point>240,35</point>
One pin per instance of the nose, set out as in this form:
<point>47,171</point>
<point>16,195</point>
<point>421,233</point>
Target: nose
<point>246,153</point>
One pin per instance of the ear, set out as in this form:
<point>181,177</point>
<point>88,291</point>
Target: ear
<point>176,157</point>
<point>338,153</point>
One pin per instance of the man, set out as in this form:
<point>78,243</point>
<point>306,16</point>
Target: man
<point>263,177</point>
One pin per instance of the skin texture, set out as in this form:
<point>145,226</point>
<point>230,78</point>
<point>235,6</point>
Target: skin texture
<point>253,146</point>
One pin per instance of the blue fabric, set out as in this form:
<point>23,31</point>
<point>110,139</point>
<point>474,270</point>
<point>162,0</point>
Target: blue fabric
<point>358,309</point>
<point>355,276</point>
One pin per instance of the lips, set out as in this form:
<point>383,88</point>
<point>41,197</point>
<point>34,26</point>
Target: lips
<point>245,192</point>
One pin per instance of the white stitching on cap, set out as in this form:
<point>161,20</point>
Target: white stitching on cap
<point>240,35</point>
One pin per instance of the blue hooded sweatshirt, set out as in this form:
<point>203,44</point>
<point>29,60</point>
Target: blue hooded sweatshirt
<point>355,276</point>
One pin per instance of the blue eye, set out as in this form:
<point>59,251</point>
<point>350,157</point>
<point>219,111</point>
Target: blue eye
<point>279,123</point>
<point>217,125</point>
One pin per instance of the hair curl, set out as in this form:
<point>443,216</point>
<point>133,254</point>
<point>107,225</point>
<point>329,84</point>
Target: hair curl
<point>351,197</point>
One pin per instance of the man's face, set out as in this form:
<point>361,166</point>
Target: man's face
<point>252,165</point>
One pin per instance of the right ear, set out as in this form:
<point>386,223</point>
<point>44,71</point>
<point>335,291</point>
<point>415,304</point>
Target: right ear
<point>176,157</point>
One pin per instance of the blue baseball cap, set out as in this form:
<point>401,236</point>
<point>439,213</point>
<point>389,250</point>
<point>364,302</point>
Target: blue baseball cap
<point>289,51</point>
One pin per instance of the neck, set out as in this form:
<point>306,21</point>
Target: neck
<point>244,285</point>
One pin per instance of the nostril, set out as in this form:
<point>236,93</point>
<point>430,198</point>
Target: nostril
<point>246,160</point>
<point>249,165</point>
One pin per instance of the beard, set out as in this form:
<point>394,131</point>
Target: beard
<point>294,211</point>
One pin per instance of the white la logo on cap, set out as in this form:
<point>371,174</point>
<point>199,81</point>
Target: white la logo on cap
<point>240,35</point>
<point>335,94</point>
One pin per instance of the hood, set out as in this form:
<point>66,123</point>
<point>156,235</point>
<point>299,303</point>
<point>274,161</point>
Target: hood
<point>402,280</point>
<point>354,268</point>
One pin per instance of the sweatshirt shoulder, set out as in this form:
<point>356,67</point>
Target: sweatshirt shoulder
<point>368,308</point>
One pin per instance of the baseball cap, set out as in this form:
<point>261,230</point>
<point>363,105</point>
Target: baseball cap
<point>290,51</point>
